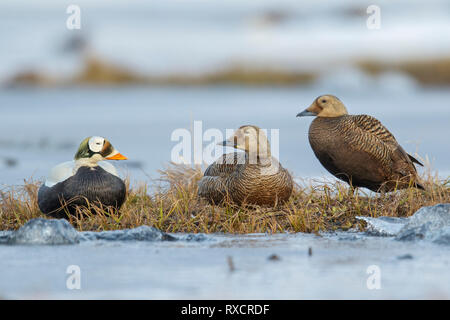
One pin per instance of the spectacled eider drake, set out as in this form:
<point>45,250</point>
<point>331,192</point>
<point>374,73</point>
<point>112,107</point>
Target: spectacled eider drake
<point>253,177</point>
<point>358,149</point>
<point>84,178</point>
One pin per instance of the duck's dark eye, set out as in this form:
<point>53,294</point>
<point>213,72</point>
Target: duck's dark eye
<point>323,100</point>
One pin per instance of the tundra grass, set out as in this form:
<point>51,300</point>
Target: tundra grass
<point>171,204</point>
<point>96,71</point>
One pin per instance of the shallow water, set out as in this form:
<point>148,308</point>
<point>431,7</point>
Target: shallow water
<point>41,128</point>
<point>144,263</point>
<point>337,269</point>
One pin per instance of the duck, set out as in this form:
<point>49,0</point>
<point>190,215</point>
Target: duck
<point>359,149</point>
<point>85,180</point>
<point>252,177</point>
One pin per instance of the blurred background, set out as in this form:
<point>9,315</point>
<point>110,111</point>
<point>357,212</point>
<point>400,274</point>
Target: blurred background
<point>135,71</point>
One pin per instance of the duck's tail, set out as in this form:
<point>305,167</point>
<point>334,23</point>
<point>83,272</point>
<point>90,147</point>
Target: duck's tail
<point>414,160</point>
<point>419,186</point>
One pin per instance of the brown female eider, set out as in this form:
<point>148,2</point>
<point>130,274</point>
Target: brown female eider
<point>253,177</point>
<point>358,149</point>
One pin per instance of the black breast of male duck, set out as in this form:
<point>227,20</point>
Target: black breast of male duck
<point>90,185</point>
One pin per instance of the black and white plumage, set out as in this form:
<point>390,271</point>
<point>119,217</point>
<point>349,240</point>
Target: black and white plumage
<point>83,181</point>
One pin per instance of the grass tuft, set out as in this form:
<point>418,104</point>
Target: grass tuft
<point>172,205</point>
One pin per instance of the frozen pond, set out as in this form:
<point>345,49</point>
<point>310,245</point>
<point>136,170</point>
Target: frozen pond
<point>337,269</point>
<point>143,263</point>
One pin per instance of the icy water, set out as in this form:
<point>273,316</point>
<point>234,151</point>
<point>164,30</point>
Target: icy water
<point>41,128</point>
<point>143,263</point>
<point>337,269</point>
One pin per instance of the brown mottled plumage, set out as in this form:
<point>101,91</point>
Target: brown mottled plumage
<point>358,149</point>
<point>253,177</point>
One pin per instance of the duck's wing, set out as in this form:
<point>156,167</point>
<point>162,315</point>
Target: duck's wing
<point>213,184</point>
<point>376,134</point>
<point>59,173</point>
<point>374,127</point>
<point>226,164</point>
<point>212,188</point>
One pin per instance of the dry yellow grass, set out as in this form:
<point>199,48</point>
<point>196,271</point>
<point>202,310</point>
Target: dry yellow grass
<point>172,205</point>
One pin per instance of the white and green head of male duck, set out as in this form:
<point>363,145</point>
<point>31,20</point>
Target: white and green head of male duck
<point>90,152</point>
<point>95,149</point>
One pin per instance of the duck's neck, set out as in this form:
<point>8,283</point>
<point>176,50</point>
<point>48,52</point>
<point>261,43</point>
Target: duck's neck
<point>85,162</point>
